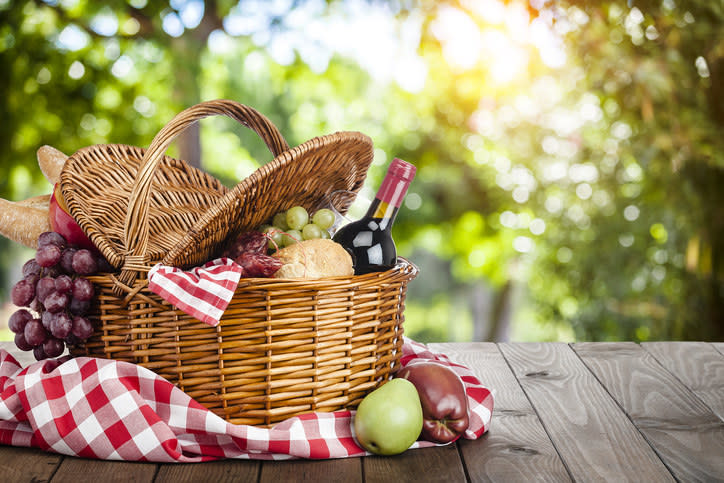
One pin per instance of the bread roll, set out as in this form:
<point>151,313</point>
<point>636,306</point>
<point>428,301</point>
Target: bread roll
<point>313,259</point>
<point>51,162</point>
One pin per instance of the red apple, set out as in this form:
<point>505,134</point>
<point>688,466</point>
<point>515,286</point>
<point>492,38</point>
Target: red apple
<point>62,222</point>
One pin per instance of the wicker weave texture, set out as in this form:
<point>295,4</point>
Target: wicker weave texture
<point>97,182</point>
<point>136,205</point>
<point>304,175</point>
<point>283,347</point>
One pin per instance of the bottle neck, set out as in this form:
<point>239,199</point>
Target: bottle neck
<point>387,202</point>
<point>383,211</point>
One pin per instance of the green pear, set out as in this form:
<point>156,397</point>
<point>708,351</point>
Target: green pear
<point>389,419</point>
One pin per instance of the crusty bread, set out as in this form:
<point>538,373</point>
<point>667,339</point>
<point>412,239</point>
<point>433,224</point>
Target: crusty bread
<point>312,259</point>
<point>23,223</point>
<point>51,162</point>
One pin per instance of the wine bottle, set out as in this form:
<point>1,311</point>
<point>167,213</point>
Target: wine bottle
<point>369,239</point>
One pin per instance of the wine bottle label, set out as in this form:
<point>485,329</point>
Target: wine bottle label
<point>381,210</point>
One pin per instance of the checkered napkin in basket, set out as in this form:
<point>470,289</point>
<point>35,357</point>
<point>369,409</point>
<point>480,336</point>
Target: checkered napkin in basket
<point>106,409</point>
<point>203,292</point>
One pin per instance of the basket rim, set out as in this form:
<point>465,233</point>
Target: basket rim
<point>403,270</point>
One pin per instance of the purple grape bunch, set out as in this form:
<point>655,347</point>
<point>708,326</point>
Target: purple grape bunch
<point>55,297</point>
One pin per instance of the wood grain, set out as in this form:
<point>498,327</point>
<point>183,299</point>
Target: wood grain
<point>73,470</point>
<point>340,470</point>
<point>719,346</point>
<point>27,464</point>
<point>426,464</point>
<point>516,448</point>
<point>595,439</point>
<point>698,365</point>
<point>592,414</point>
<point>214,471</point>
<point>688,437</point>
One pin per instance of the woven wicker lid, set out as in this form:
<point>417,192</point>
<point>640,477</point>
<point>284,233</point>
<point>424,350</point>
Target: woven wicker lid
<point>304,175</point>
<point>97,182</point>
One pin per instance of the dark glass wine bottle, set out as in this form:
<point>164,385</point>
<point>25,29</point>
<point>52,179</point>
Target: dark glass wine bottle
<point>369,240</point>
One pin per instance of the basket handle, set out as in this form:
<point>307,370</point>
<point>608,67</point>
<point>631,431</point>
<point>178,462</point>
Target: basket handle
<point>136,223</point>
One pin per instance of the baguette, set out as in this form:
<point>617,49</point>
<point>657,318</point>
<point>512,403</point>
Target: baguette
<point>51,162</point>
<point>23,224</point>
<point>41,202</point>
<point>312,259</point>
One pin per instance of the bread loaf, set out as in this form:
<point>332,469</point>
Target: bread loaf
<point>41,202</point>
<point>311,259</point>
<point>23,224</point>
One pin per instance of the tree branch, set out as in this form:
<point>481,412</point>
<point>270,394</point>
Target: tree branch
<point>211,21</point>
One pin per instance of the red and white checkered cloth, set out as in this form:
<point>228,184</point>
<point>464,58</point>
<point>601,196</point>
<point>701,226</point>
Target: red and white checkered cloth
<point>203,292</point>
<point>105,409</point>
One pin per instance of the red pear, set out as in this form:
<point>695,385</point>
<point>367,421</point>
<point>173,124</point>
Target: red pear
<point>443,398</point>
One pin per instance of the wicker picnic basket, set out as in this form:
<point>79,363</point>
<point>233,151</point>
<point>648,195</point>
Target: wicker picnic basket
<point>283,347</point>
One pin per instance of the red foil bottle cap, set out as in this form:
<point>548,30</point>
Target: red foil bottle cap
<point>402,169</point>
<point>398,178</point>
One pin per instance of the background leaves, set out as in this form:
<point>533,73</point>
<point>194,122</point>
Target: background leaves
<point>569,153</point>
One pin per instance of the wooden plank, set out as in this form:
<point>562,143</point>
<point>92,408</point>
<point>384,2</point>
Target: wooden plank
<point>27,464</point>
<point>688,437</point>
<point>719,346</point>
<point>595,439</point>
<point>516,447</point>
<point>338,470</point>
<point>441,464</point>
<point>698,365</point>
<point>214,471</point>
<point>73,470</point>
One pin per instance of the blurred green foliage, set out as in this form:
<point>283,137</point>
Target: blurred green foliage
<point>570,165</point>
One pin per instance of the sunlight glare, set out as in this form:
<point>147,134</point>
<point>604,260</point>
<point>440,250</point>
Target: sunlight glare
<point>504,44</point>
<point>550,47</point>
<point>105,23</point>
<point>73,38</point>
<point>491,11</point>
<point>459,35</point>
<point>517,21</point>
<point>410,73</point>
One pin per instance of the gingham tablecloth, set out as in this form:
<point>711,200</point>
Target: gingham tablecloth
<point>105,409</point>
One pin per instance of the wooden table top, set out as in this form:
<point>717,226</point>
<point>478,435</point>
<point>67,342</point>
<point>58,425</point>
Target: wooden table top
<point>563,412</point>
